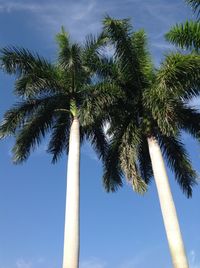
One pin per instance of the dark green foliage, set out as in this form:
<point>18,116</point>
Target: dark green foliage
<point>187,35</point>
<point>21,61</point>
<point>152,103</point>
<point>178,161</point>
<point>31,133</point>
<point>121,37</point>
<point>52,95</point>
<point>189,120</point>
<point>180,74</point>
<point>145,161</point>
<point>112,177</point>
<point>124,91</point>
<point>59,140</point>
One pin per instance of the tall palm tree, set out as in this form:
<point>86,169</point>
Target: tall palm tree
<point>56,99</point>
<point>187,35</point>
<point>146,123</point>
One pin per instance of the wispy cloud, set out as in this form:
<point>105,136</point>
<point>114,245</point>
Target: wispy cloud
<point>52,15</point>
<point>194,260</point>
<point>158,9</point>
<point>21,263</point>
<point>39,151</point>
<point>33,263</point>
<point>139,260</point>
<point>89,152</point>
<point>13,6</point>
<point>195,102</point>
<point>85,16</point>
<point>93,263</point>
<point>162,45</point>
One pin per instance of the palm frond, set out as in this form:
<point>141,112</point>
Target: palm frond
<point>144,161</point>
<point>139,42</point>
<point>96,135</point>
<point>179,162</point>
<point>76,60</point>
<point>180,75</point>
<point>31,134</point>
<point>30,121</point>
<point>185,35</point>
<point>120,32</point>
<point>70,54</point>
<point>189,119</point>
<point>161,106</point>
<point>39,82</point>
<point>64,44</point>
<point>97,102</point>
<point>130,140</point>
<point>92,50</point>
<point>35,75</point>
<point>17,116</point>
<point>128,163</point>
<point>108,69</point>
<point>59,140</point>
<point>112,173</point>
<point>20,61</point>
<point>178,79</point>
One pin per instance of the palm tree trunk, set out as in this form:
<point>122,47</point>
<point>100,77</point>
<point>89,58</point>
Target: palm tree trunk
<point>71,236</point>
<point>168,209</point>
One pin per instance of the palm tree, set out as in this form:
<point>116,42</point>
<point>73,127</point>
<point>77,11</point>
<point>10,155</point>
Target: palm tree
<point>56,99</point>
<point>187,35</point>
<point>153,110</point>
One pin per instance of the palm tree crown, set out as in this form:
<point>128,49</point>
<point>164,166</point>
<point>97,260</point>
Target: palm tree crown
<point>153,103</point>
<point>51,95</point>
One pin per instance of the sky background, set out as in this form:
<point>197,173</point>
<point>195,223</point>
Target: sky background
<point>121,230</point>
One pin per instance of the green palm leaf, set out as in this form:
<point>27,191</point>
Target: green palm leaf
<point>120,32</point>
<point>31,134</point>
<point>185,35</point>
<point>112,174</point>
<point>179,162</point>
<point>59,140</point>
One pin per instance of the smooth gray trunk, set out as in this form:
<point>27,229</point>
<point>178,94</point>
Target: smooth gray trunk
<point>71,233</point>
<point>168,209</point>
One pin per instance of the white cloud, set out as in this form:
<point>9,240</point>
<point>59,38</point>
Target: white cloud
<point>25,263</point>
<point>89,151</point>
<point>162,45</point>
<point>82,13</point>
<point>84,16</point>
<point>195,102</point>
<point>40,260</point>
<point>93,263</point>
<point>158,9</point>
<point>21,263</point>
<point>193,260</point>
<point>52,15</point>
<point>12,6</point>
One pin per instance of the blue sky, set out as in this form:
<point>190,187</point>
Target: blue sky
<point>121,230</point>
